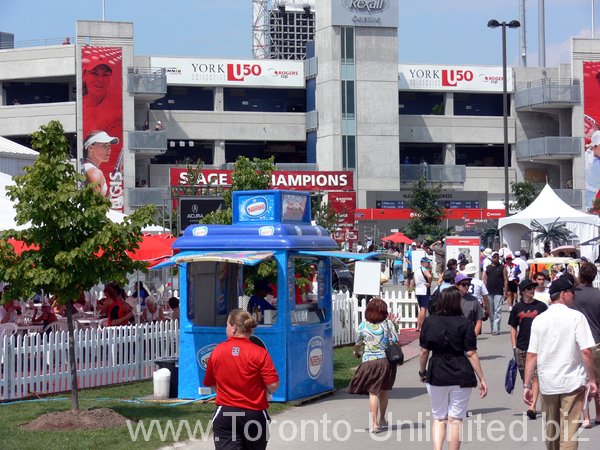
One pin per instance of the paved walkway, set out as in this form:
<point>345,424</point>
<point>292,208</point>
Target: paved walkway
<point>341,421</point>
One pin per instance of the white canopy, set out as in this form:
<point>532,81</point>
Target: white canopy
<point>546,208</point>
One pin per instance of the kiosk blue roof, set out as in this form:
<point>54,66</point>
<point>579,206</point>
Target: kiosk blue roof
<point>274,220</point>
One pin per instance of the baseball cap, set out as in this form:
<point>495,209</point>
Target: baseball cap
<point>525,284</point>
<point>425,259</point>
<point>99,137</point>
<point>517,253</point>
<point>470,269</point>
<point>414,243</point>
<point>562,284</point>
<point>93,57</point>
<point>461,277</point>
<point>595,140</point>
<point>508,256</point>
<point>487,251</point>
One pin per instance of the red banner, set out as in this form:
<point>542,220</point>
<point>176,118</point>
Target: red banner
<point>462,241</point>
<point>344,204</point>
<point>292,180</point>
<point>407,214</point>
<point>102,99</point>
<point>591,129</point>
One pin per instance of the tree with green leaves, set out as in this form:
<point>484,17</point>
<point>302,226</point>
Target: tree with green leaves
<point>324,215</point>
<point>555,233</point>
<point>247,175</point>
<point>75,245</point>
<point>428,213</point>
<point>525,193</point>
<point>490,234</point>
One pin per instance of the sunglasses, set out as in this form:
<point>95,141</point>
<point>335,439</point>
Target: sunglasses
<point>464,284</point>
<point>529,288</point>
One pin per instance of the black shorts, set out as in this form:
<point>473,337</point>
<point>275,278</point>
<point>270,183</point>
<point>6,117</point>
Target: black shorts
<point>251,428</point>
<point>423,300</point>
<point>513,286</point>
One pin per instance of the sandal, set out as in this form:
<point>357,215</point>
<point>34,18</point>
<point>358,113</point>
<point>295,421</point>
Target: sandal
<point>374,430</point>
<point>383,425</point>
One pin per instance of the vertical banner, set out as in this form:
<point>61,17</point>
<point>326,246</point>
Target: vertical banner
<point>102,100</point>
<point>591,124</point>
<point>344,204</point>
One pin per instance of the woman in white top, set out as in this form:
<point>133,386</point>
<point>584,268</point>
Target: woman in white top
<point>152,312</point>
<point>96,150</point>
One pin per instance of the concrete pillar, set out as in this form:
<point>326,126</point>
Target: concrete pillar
<point>450,154</point>
<point>219,98</point>
<point>449,104</point>
<point>219,153</point>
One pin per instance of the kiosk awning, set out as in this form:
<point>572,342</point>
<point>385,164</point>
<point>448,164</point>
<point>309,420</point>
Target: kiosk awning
<point>341,255</point>
<point>248,258</point>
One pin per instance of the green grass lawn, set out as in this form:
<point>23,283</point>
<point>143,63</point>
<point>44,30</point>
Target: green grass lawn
<point>13,415</point>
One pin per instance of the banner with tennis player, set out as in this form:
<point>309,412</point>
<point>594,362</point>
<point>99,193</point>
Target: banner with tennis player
<point>591,123</point>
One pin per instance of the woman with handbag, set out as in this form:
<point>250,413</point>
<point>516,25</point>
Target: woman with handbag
<point>375,375</point>
<point>453,367</point>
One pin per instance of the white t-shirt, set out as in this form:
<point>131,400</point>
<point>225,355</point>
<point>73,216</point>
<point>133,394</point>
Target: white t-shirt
<point>557,337</point>
<point>522,267</point>
<point>420,281</point>
<point>478,289</point>
<point>486,262</point>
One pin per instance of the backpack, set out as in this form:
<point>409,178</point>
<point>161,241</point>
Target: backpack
<point>433,299</point>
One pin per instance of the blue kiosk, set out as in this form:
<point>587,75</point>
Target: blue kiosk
<point>213,260</point>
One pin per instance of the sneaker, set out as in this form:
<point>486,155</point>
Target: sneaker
<point>531,414</point>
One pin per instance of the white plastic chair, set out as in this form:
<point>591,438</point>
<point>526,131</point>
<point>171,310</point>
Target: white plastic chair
<point>8,329</point>
<point>59,325</point>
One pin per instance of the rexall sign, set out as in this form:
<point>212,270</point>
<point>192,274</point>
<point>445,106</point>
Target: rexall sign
<point>365,13</point>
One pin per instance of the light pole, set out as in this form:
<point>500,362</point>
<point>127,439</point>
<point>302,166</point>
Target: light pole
<point>512,24</point>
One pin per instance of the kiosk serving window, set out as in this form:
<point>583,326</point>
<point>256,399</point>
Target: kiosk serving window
<point>309,281</point>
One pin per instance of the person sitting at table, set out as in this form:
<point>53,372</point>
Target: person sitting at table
<point>9,310</point>
<point>257,302</point>
<point>174,305</point>
<point>152,312</point>
<point>118,312</point>
<point>46,317</point>
<point>141,292</point>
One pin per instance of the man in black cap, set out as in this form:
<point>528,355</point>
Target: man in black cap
<point>560,347</point>
<point>520,320</point>
<point>423,279</point>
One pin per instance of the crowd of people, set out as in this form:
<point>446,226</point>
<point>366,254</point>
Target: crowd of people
<point>553,326</point>
<point>115,306</point>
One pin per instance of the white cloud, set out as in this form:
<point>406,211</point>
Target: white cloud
<point>557,53</point>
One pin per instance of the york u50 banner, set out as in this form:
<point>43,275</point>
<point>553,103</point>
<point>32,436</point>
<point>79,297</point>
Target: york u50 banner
<point>102,100</point>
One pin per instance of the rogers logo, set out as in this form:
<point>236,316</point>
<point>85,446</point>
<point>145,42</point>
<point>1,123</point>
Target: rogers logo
<point>256,207</point>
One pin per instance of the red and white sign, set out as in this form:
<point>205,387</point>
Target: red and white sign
<point>292,180</point>
<point>407,214</point>
<point>233,72</point>
<point>452,78</point>
<point>344,204</point>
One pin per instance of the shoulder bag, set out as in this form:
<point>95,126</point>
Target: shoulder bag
<point>511,376</point>
<point>393,352</point>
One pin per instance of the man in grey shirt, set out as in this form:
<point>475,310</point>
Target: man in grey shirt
<point>469,304</point>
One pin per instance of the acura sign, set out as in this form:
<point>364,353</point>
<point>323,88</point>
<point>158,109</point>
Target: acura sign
<point>365,13</point>
<point>191,210</point>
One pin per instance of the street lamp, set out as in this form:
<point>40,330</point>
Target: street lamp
<point>512,24</point>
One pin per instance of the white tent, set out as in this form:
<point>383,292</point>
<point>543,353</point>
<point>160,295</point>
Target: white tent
<point>546,208</point>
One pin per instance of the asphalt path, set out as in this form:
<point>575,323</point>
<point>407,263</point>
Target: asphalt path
<point>341,421</point>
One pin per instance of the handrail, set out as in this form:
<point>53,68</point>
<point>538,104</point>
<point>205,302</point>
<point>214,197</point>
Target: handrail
<point>548,82</point>
<point>68,40</point>
<point>147,70</point>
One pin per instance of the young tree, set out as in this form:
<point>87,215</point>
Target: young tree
<point>76,245</point>
<point>247,175</point>
<point>428,213</point>
<point>525,193</point>
<point>324,215</point>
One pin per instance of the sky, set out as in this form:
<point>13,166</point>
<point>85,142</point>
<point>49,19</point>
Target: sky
<point>430,31</point>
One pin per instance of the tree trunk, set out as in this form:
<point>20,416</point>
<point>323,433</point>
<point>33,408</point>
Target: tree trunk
<point>72,359</point>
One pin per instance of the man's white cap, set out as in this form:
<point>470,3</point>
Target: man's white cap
<point>470,269</point>
<point>159,122</point>
<point>414,243</point>
<point>487,251</point>
<point>101,137</point>
<point>595,139</point>
<point>517,253</point>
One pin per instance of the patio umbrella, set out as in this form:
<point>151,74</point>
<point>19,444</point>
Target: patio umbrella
<point>398,238</point>
<point>153,248</point>
<point>563,248</point>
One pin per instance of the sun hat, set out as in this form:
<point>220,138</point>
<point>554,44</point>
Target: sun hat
<point>470,269</point>
<point>101,137</point>
<point>487,251</point>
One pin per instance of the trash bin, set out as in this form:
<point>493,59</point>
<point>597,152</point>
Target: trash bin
<point>162,381</point>
<point>171,363</point>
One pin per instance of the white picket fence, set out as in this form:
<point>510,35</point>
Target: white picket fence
<point>347,314</point>
<point>37,363</point>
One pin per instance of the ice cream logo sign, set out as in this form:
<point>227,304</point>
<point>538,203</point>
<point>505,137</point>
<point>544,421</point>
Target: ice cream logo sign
<point>204,354</point>
<point>256,207</point>
<point>314,359</point>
